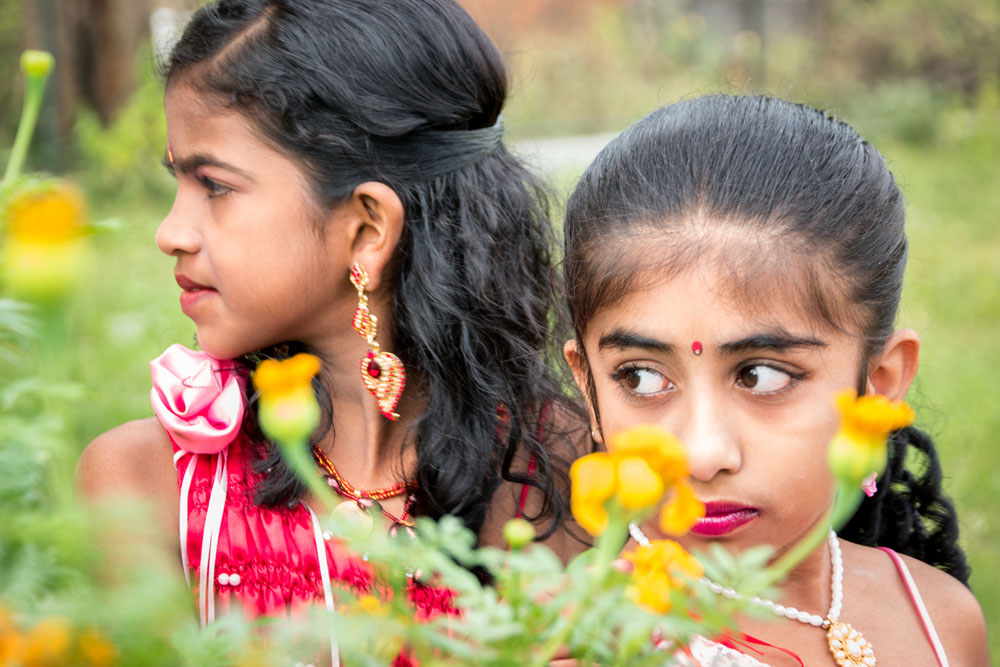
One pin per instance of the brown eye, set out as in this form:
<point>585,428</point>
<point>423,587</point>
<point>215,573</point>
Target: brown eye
<point>643,381</point>
<point>632,378</point>
<point>749,377</point>
<point>763,379</point>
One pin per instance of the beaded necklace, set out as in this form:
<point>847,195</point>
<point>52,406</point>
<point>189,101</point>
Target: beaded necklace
<point>848,647</point>
<point>365,498</point>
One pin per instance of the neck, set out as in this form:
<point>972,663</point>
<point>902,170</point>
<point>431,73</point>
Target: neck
<point>367,448</point>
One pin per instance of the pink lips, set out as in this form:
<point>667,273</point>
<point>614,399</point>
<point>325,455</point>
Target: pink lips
<point>722,518</point>
<point>193,292</point>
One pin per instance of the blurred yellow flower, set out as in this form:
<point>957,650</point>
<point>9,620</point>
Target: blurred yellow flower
<point>641,464</point>
<point>46,643</point>
<point>45,249</point>
<point>661,568</point>
<point>288,411</point>
<point>96,650</point>
<point>681,511</point>
<point>859,446</point>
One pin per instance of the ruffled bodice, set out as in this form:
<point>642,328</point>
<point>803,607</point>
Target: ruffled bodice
<point>266,559</point>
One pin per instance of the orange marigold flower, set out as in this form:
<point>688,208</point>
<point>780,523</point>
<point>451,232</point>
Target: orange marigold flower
<point>45,248</point>
<point>682,511</point>
<point>46,643</point>
<point>859,446</point>
<point>641,464</point>
<point>96,650</point>
<point>288,410</point>
<point>661,568</point>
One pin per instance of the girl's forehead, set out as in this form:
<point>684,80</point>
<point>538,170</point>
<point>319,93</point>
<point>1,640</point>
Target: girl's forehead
<point>735,284</point>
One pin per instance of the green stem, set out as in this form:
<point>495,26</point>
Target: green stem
<point>34,87</point>
<point>845,504</point>
<point>297,455</point>
<point>608,545</point>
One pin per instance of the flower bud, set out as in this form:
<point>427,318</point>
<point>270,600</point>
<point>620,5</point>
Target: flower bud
<point>518,533</point>
<point>37,64</point>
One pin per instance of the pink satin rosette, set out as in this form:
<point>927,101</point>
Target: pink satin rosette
<point>199,401</point>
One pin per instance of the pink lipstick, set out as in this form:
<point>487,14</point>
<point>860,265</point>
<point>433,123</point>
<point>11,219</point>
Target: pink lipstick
<point>722,518</point>
<point>193,292</point>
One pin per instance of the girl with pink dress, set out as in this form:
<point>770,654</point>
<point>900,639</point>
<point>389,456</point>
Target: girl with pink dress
<point>343,188</point>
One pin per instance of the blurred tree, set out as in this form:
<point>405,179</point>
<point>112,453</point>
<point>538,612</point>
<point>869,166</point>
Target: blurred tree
<point>95,43</point>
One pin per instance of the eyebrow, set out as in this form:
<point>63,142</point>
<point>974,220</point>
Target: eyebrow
<point>622,339</point>
<point>778,341</point>
<point>192,162</point>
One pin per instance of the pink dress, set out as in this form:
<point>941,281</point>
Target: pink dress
<point>267,560</point>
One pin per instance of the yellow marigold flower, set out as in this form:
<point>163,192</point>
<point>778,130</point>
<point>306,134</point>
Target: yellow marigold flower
<point>593,477</point>
<point>96,650</point>
<point>639,485</point>
<point>46,642</point>
<point>288,411</point>
<point>593,481</point>
<point>682,511</point>
<point>370,605</point>
<point>859,446</point>
<point>45,249</point>
<point>661,568</point>
<point>655,445</point>
<point>641,464</point>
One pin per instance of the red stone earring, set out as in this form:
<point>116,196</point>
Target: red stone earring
<point>382,372</point>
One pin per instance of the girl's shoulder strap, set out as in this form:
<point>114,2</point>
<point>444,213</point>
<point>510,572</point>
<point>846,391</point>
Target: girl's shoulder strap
<point>918,604</point>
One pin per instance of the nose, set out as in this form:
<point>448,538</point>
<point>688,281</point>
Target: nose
<point>177,234</point>
<point>710,440</point>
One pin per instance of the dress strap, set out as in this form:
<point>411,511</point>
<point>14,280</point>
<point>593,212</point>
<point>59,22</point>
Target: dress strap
<point>324,573</point>
<point>523,501</point>
<point>918,603</point>
<point>210,540</point>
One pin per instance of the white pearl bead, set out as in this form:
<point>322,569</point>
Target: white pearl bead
<point>223,579</point>
<point>234,580</point>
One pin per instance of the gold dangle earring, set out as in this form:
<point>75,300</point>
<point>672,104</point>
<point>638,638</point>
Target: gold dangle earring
<point>382,372</point>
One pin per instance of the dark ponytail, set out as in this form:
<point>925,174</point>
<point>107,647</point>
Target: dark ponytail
<point>818,201</point>
<point>409,93</point>
<point>909,513</point>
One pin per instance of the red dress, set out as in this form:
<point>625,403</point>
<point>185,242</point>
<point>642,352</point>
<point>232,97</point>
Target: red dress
<point>267,560</point>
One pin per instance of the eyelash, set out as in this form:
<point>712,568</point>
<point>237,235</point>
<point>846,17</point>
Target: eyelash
<point>214,188</point>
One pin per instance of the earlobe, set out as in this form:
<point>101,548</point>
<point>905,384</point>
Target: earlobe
<point>577,361</point>
<point>893,372</point>
<point>378,226</point>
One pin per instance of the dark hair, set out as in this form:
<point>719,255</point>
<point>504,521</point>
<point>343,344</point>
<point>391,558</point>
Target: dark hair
<point>825,210</point>
<point>409,93</point>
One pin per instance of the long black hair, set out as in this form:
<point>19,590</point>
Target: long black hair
<point>409,93</point>
<point>825,211</point>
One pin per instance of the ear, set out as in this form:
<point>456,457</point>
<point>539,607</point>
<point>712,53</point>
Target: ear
<point>892,373</point>
<point>581,375</point>
<point>375,227</point>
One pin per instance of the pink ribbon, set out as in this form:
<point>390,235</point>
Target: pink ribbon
<point>198,399</point>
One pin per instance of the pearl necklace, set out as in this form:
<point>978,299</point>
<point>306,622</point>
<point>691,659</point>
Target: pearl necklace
<point>848,646</point>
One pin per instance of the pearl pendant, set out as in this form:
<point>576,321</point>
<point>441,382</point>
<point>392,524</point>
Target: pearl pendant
<point>848,646</point>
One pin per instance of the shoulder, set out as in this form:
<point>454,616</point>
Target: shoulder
<point>135,459</point>
<point>955,612</point>
<point>953,609</point>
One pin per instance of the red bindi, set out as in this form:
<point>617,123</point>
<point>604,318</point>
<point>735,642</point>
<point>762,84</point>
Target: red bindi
<point>696,347</point>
